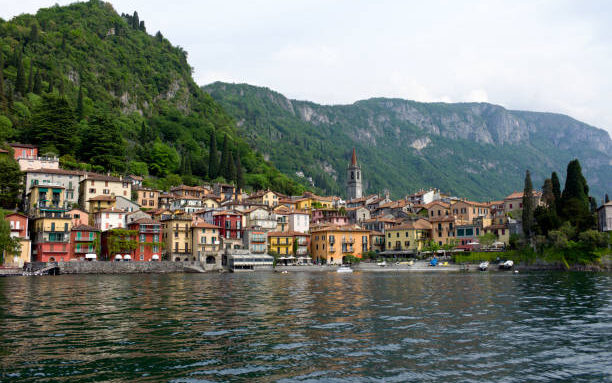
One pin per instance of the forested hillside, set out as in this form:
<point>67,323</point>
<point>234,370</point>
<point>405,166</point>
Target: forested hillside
<point>474,150</point>
<point>93,87</point>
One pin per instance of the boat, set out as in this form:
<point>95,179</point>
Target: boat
<point>506,265</point>
<point>433,262</point>
<point>344,269</point>
<point>382,264</point>
<point>483,266</point>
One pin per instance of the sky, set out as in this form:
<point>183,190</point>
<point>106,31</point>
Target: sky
<point>539,55</point>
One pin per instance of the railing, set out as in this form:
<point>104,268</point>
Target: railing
<point>47,240</point>
<point>86,250</point>
<point>147,230</point>
<point>350,240</point>
<point>348,250</point>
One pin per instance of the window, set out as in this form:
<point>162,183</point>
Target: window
<point>105,191</point>
<point>142,237</point>
<point>407,243</point>
<point>142,257</point>
<point>93,191</point>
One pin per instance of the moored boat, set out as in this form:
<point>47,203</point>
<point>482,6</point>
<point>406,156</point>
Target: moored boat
<point>506,265</point>
<point>483,266</point>
<point>344,269</point>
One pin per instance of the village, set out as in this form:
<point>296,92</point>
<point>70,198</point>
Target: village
<point>79,216</point>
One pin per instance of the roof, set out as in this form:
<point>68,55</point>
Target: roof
<point>102,198</point>
<point>48,186</point>
<point>84,228</point>
<point>19,214</point>
<point>389,220</point>
<point>185,187</point>
<point>302,212</point>
<point>347,228</point>
<point>227,212</point>
<point>112,210</point>
<point>443,204</point>
<point>442,219</point>
<point>287,234</point>
<point>3,151</point>
<point>420,224</point>
<point>354,158</point>
<point>377,233</point>
<point>103,177</point>
<point>205,225</point>
<point>517,195</point>
<point>18,145</point>
<point>136,178</point>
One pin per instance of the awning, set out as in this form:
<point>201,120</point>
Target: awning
<point>155,257</point>
<point>118,256</point>
<point>90,256</point>
<point>57,190</point>
<point>127,256</point>
<point>43,190</point>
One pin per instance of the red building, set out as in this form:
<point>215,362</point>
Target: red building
<point>19,224</point>
<point>83,241</point>
<point>230,223</point>
<point>24,151</point>
<point>148,238</point>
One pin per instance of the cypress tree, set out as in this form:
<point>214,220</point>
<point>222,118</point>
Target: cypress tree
<point>187,165</point>
<point>61,87</point>
<point>576,205</point>
<point>528,208</point>
<point>547,194</point>
<point>20,82</point>
<point>2,96</point>
<point>213,162</point>
<point>34,33</point>
<point>239,175</point>
<point>135,20</point>
<point>30,86</point>
<point>142,26</point>
<point>224,166</point>
<point>556,190</point>
<point>79,108</point>
<point>9,97</point>
<point>607,199</point>
<point>50,88</point>
<point>37,83</point>
<point>231,168</point>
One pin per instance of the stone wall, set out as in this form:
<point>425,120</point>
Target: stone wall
<point>101,267</point>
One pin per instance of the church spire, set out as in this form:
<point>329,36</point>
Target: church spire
<point>354,158</point>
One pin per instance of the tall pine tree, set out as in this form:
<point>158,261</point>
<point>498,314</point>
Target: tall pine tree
<point>231,168</point>
<point>528,207</point>
<point>3,102</point>
<point>239,175</point>
<point>30,86</point>
<point>20,81</point>
<point>224,166</point>
<point>556,190</point>
<point>79,109</point>
<point>547,193</point>
<point>37,83</point>
<point>213,162</point>
<point>574,199</point>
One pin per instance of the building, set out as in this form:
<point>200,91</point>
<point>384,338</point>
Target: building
<point>423,197</point>
<point>468,210</point>
<point>189,191</point>
<point>329,216</point>
<point>501,231</point>
<point>69,179</point>
<point>409,238</point>
<point>299,221</point>
<point>79,217</point>
<point>164,200</point>
<point>147,233</point>
<point>332,244</point>
<point>207,243</point>
<point>124,203</point>
<point>135,180</point>
<point>94,185</point>
<point>84,240</point>
<point>467,234</point>
<point>437,209</point>
<point>27,157</point>
<point>443,230</point>
<point>135,216</point>
<point>230,223</point>
<point>260,217</point>
<point>380,224</point>
<point>176,235</point>
<point>357,214</point>
<point>604,214</point>
<point>187,204</point>
<point>51,237</point>
<point>266,197</point>
<point>18,224</point>
<point>147,198</point>
<point>377,241</point>
<point>226,191</point>
<point>46,198</point>
<point>353,179</point>
<point>101,202</point>
<point>515,201</point>
<point>291,246</point>
<point>255,239</point>
<point>108,219</point>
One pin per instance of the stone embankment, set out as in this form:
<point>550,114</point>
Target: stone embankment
<point>133,267</point>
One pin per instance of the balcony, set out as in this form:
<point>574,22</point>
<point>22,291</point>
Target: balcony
<point>348,250</point>
<point>149,230</point>
<point>348,240</point>
<point>302,251</point>
<point>84,250</point>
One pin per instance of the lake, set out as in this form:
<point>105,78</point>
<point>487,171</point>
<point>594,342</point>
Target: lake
<point>307,327</point>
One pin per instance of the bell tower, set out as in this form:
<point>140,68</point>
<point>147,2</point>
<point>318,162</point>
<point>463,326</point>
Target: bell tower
<point>353,179</point>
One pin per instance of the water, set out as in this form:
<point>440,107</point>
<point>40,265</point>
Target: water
<point>307,327</point>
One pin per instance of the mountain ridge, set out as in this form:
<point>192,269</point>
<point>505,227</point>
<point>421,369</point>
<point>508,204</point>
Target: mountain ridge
<point>549,139</point>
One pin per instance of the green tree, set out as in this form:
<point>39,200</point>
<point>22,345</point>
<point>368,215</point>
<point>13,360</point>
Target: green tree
<point>135,21</point>
<point>487,239</point>
<point>34,33</point>
<point>607,199</point>
<point>3,102</point>
<point>30,85</point>
<point>239,175</point>
<point>37,89</point>
<point>213,162</point>
<point>556,190</point>
<point>11,179</point>
<point>79,108</point>
<point>102,144</point>
<point>164,159</point>
<point>224,166</point>
<point>575,200</point>
<point>528,207</point>
<point>20,82</point>
<point>54,125</point>
<point>231,172</point>
<point>8,244</point>
<point>547,193</point>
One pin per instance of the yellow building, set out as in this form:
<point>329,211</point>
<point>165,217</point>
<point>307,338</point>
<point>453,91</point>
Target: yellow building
<point>99,203</point>
<point>437,209</point>
<point>332,244</point>
<point>468,210</point>
<point>176,236</point>
<point>46,198</point>
<point>410,236</point>
<point>94,185</point>
<point>280,242</point>
<point>266,197</point>
<point>443,229</point>
<point>206,242</point>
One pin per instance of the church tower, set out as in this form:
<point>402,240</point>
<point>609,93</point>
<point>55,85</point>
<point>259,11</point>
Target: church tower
<point>353,179</point>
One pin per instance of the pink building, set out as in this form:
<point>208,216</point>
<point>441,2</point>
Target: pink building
<point>329,216</point>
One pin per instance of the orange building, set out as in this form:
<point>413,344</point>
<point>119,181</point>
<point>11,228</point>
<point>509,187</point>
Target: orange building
<point>331,244</point>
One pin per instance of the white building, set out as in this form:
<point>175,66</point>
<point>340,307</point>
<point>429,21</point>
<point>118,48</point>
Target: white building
<point>605,217</point>
<point>112,218</point>
<point>299,221</point>
<point>187,204</point>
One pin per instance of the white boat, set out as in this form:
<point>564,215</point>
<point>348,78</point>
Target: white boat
<point>506,265</point>
<point>344,269</point>
<point>483,266</point>
<point>382,264</point>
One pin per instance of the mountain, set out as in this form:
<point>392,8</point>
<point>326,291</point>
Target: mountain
<point>476,150</point>
<point>93,86</point>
